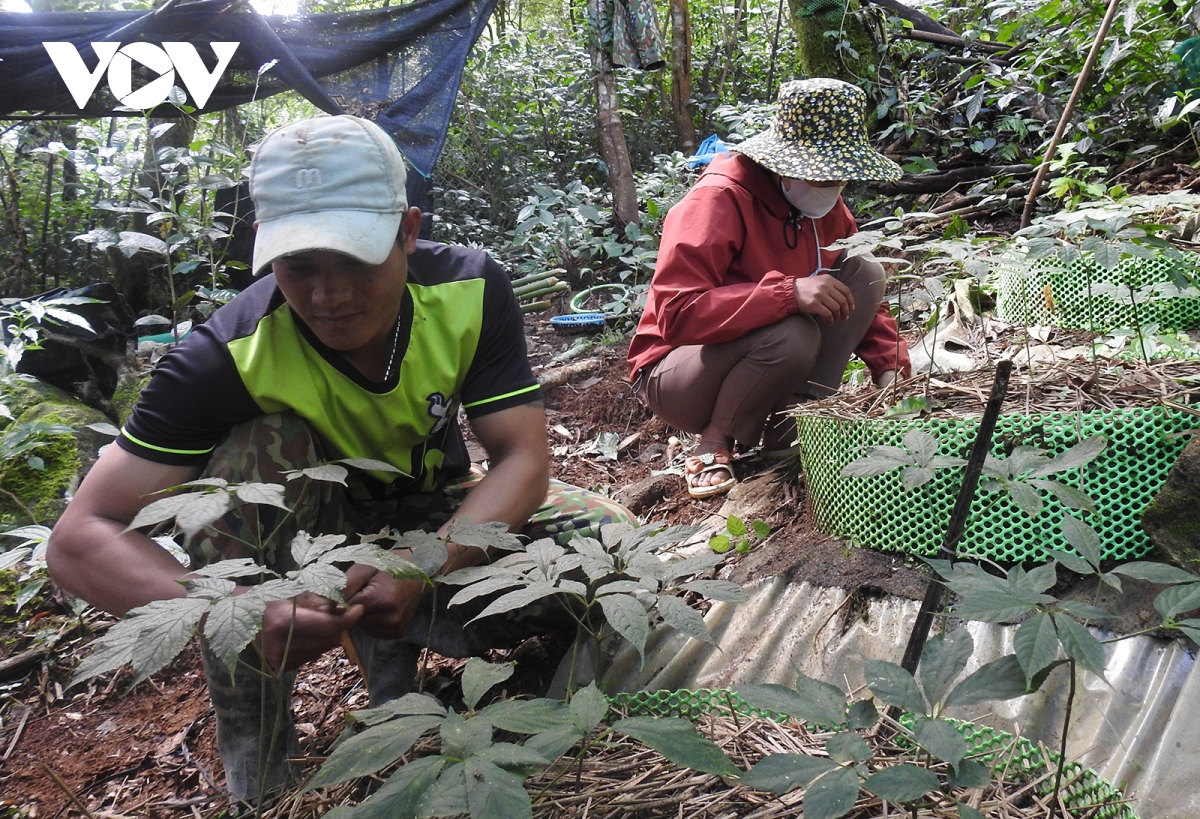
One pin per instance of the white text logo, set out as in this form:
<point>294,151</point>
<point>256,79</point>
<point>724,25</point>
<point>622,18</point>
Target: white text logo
<point>118,60</point>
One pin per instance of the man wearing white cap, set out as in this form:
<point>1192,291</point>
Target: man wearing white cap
<point>359,342</point>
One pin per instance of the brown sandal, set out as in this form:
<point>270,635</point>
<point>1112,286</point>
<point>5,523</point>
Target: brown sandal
<point>716,461</point>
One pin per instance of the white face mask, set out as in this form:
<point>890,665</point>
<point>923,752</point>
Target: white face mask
<point>810,200</point>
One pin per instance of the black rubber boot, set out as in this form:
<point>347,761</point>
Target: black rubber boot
<point>255,731</point>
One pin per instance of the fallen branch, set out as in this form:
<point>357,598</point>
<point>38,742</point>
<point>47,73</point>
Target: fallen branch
<point>945,180</point>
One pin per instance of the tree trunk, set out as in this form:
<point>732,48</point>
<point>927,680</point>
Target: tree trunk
<point>817,54</point>
<point>612,134</point>
<point>681,75</point>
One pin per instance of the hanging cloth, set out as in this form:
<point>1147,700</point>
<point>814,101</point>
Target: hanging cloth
<point>629,34</point>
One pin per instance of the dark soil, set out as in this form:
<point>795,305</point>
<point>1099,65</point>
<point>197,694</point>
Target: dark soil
<point>150,752</point>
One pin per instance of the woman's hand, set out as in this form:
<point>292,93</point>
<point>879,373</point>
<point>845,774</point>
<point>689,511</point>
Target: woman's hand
<point>823,297</point>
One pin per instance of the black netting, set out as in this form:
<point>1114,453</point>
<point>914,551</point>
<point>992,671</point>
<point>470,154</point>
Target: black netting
<point>399,66</point>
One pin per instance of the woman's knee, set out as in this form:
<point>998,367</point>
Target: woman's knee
<point>792,342</point>
<point>865,277</point>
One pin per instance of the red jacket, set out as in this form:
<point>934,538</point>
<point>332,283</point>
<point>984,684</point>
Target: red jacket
<point>725,267</point>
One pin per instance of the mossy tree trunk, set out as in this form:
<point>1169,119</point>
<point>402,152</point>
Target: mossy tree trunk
<point>819,55</point>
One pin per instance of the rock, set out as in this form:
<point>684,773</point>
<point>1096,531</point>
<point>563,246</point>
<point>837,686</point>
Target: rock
<point>129,387</point>
<point>647,493</point>
<point>1173,518</point>
<point>36,480</point>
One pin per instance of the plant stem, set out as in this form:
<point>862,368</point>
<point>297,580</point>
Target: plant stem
<point>1062,750</point>
<point>958,518</point>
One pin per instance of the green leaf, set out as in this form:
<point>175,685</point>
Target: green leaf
<point>373,750</point>
<point>847,747</point>
<point>512,757</point>
<point>1177,600</point>
<point>554,742</point>
<point>479,676</point>
<point>832,795</point>
<point>589,707</point>
<point>1081,645</point>
<point>780,773</point>
<point>400,796</point>
<point>163,637</point>
<point>307,549</point>
<point>722,590</point>
<point>494,793</point>
<point>968,812</point>
<point>735,526</point>
<point>720,544</point>
<point>1083,611</point>
<point>862,715</point>
<point>944,658</point>
<point>323,579</point>
<point>479,588</point>
<point>527,716</point>
<point>811,701</point>
<point>678,741</point>
<point>760,528</point>
<point>371,555</point>
<point>993,606</point>
<point>330,473</point>
<point>517,599</point>
<point>679,615</point>
<point>232,623</point>
<point>28,592</point>
<point>895,686</point>
<point>490,535</point>
<point>942,739</point>
<point>1077,456</point>
<point>1040,578</point>
<point>1068,496</point>
<point>408,705</point>
<point>269,494</point>
<point>970,774</point>
<point>628,618</point>
<point>902,783</point>
<point>1001,679</point>
<point>1155,572</point>
<point>878,461</point>
<point>1072,562</point>
<point>1025,497</point>
<point>463,737</point>
<point>192,511</point>
<point>448,795</point>
<point>1036,644</point>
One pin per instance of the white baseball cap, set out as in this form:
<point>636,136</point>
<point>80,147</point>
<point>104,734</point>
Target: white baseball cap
<point>327,183</point>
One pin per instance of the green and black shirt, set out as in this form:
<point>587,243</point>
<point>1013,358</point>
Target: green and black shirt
<point>461,343</point>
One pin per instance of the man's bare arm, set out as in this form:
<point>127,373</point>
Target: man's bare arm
<point>518,470</point>
<point>514,487</point>
<point>90,554</point>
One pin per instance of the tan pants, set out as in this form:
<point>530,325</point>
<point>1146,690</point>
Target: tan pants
<point>736,385</point>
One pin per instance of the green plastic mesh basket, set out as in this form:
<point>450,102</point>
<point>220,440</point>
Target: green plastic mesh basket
<point>1084,793</point>
<point>880,513</point>
<point>1049,292</point>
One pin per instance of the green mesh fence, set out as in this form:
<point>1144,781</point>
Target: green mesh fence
<point>880,513</point>
<point>1084,793</point>
<point>1049,292</point>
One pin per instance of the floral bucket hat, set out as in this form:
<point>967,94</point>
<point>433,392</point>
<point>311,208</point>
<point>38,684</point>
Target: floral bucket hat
<point>819,134</point>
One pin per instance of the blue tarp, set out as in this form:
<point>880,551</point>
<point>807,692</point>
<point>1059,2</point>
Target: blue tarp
<point>400,66</point>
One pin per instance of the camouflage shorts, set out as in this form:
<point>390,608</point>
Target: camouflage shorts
<point>264,449</point>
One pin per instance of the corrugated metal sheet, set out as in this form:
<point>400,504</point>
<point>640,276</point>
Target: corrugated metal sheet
<point>1138,730</point>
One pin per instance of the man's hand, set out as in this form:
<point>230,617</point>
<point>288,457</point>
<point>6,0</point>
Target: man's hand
<point>824,297</point>
<point>388,604</point>
<point>885,379</point>
<point>318,626</point>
